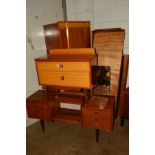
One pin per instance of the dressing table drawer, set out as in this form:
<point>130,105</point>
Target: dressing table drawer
<point>63,66</point>
<point>69,79</point>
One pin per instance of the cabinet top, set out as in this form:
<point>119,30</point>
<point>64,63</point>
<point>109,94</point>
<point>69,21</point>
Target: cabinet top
<point>75,54</point>
<point>68,57</point>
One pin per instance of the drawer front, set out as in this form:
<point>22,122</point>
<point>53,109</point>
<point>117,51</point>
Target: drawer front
<point>68,79</point>
<point>63,66</point>
<point>99,119</point>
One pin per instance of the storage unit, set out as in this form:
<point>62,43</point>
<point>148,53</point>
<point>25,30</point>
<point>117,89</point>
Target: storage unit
<point>65,70</point>
<point>38,106</point>
<point>98,113</point>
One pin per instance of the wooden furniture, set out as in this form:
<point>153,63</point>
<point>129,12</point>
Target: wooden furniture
<point>109,44</point>
<point>66,70</point>
<point>70,69</point>
<point>67,34</point>
<point>96,112</point>
<point>124,91</point>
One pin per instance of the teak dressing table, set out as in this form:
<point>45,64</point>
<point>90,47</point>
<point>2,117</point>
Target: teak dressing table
<point>66,76</point>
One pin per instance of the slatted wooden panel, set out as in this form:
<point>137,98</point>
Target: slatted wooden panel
<point>109,44</point>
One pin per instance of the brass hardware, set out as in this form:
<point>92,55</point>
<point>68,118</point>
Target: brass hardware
<point>62,77</point>
<point>59,65</point>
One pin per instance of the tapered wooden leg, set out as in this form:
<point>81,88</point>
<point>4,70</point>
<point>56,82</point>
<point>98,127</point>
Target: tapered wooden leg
<point>97,135</point>
<point>42,125</point>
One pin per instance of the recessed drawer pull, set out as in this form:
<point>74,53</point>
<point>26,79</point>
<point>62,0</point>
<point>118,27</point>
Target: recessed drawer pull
<point>62,78</point>
<point>59,65</point>
<point>96,112</point>
<point>96,119</point>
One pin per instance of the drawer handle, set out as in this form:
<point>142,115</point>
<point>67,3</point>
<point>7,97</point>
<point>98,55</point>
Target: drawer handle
<point>96,119</point>
<point>96,112</point>
<point>62,78</point>
<point>59,65</point>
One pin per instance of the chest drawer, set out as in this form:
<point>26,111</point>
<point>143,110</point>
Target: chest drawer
<point>98,118</point>
<point>63,66</point>
<point>71,79</point>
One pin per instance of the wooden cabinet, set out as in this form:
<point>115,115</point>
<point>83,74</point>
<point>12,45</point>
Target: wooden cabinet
<point>98,113</point>
<point>67,66</point>
<point>38,107</point>
<point>67,34</point>
<point>66,70</point>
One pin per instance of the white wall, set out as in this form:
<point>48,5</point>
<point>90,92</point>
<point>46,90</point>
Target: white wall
<point>38,13</point>
<point>102,14</point>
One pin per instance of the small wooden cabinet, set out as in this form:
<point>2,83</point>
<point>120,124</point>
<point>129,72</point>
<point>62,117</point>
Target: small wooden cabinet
<point>98,113</point>
<point>65,70</point>
<point>39,107</point>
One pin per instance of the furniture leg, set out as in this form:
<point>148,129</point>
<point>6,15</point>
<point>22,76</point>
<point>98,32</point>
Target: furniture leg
<point>97,135</point>
<point>42,125</point>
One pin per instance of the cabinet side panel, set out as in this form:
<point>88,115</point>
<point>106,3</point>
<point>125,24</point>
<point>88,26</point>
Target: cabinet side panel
<point>52,36</point>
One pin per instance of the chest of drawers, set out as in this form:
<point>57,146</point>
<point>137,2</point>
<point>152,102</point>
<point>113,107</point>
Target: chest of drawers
<point>98,113</point>
<point>65,70</point>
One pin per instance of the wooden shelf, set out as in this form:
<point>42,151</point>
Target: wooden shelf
<point>68,115</point>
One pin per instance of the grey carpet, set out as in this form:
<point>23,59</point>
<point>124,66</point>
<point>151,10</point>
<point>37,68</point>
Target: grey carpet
<point>72,139</point>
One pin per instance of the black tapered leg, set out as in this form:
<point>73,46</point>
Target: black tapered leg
<point>42,125</point>
<point>97,135</point>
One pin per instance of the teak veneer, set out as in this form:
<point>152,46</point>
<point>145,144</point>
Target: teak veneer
<point>66,70</point>
<point>67,34</point>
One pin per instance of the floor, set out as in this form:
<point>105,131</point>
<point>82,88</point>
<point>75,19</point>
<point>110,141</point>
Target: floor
<point>71,139</point>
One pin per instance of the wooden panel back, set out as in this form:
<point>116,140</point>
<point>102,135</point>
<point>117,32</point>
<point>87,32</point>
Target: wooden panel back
<point>70,34</point>
<point>109,44</point>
